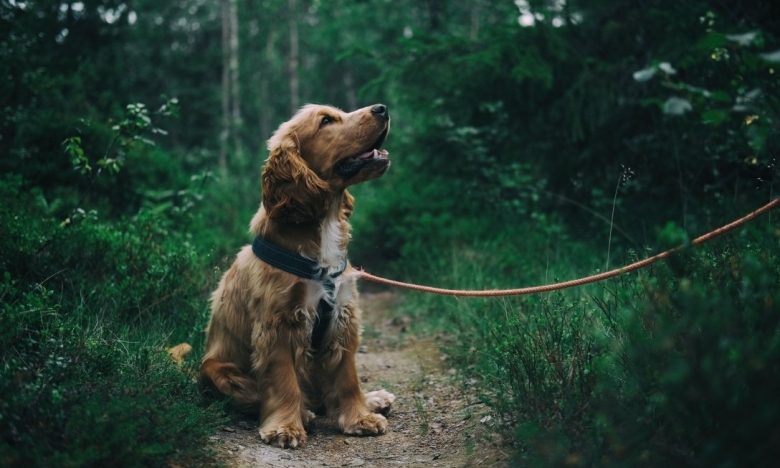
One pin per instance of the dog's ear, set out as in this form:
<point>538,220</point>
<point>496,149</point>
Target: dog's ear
<point>347,204</point>
<point>292,192</point>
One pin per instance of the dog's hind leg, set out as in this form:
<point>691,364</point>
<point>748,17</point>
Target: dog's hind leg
<point>226,364</point>
<point>228,379</point>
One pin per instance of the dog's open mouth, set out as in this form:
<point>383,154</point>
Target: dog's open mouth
<point>352,165</point>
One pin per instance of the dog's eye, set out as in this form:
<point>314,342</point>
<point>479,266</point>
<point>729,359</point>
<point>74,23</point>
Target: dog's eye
<point>326,120</point>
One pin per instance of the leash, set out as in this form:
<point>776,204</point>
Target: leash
<point>578,282</point>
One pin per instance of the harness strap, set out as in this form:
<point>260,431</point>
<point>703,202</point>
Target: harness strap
<point>298,265</point>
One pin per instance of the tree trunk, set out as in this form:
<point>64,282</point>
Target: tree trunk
<point>292,63</point>
<point>224,133</point>
<point>235,117</point>
<point>474,33</point>
<point>349,87</point>
<point>434,14</point>
<point>265,104</point>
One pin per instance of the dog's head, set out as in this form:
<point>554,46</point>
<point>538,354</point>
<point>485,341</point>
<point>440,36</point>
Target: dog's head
<point>319,152</point>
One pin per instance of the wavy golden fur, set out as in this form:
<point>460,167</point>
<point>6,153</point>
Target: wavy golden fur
<point>259,346</point>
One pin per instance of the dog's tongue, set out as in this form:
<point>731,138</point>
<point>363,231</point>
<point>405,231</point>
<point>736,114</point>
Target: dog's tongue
<point>380,154</point>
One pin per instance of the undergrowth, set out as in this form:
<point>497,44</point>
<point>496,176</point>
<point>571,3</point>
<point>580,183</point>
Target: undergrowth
<point>676,364</point>
<point>87,310</point>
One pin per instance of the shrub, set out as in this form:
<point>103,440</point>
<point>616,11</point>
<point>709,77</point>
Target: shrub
<point>694,365</point>
<point>86,312</point>
<point>676,364</point>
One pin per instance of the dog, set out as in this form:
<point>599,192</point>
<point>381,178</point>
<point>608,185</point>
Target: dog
<point>285,322</point>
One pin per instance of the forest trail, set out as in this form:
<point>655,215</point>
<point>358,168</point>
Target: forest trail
<point>435,421</point>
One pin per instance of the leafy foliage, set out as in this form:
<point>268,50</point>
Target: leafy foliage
<point>84,376</point>
<point>696,361</point>
<point>531,141</point>
<point>88,307</point>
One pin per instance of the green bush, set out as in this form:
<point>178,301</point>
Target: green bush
<point>693,371</point>
<point>676,364</point>
<point>87,310</point>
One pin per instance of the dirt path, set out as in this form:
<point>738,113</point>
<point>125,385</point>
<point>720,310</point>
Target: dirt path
<point>435,421</point>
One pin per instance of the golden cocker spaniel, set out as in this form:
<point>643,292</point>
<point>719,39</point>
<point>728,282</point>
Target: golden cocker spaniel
<point>285,322</point>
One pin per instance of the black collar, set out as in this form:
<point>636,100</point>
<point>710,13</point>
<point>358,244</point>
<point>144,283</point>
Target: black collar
<point>293,262</point>
<point>298,265</point>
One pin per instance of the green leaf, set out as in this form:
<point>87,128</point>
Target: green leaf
<point>757,135</point>
<point>721,96</point>
<point>652,102</point>
<point>667,68</point>
<point>711,41</point>
<point>773,57</point>
<point>746,39</point>
<point>714,116</point>
<point>644,75</point>
<point>677,106</point>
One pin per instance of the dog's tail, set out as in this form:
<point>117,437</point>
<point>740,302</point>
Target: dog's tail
<point>228,379</point>
<point>179,352</point>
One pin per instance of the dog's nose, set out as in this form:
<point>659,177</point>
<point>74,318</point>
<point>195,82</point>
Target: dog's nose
<point>380,110</point>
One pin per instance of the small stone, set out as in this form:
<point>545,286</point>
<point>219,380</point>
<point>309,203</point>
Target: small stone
<point>363,349</point>
<point>436,456</point>
<point>364,378</point>
<point>229,429</point>
<point>357,462</point>
<point>285,456</point>
<point>346,442</point>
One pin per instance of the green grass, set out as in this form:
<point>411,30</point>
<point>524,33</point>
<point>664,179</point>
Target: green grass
<point>676,364</point>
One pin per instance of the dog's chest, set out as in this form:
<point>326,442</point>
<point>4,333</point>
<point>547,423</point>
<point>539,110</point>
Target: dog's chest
<point>337,292</point>
<point>333,241</point>
<point>340,294</point>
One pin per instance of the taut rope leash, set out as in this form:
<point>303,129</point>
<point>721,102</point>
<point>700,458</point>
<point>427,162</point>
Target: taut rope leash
<point>578,282</point>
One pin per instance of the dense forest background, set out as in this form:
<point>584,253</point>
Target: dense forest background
<point>532,140</point>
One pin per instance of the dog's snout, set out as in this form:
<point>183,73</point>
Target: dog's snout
<point>380,110</point>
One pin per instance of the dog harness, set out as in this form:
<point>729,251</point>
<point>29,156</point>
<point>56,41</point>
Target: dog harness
<point>309,269</point>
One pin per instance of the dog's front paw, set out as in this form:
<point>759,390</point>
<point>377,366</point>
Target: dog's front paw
<point>379,401</point>
<point>286,436</point>
<point>366,424</point>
